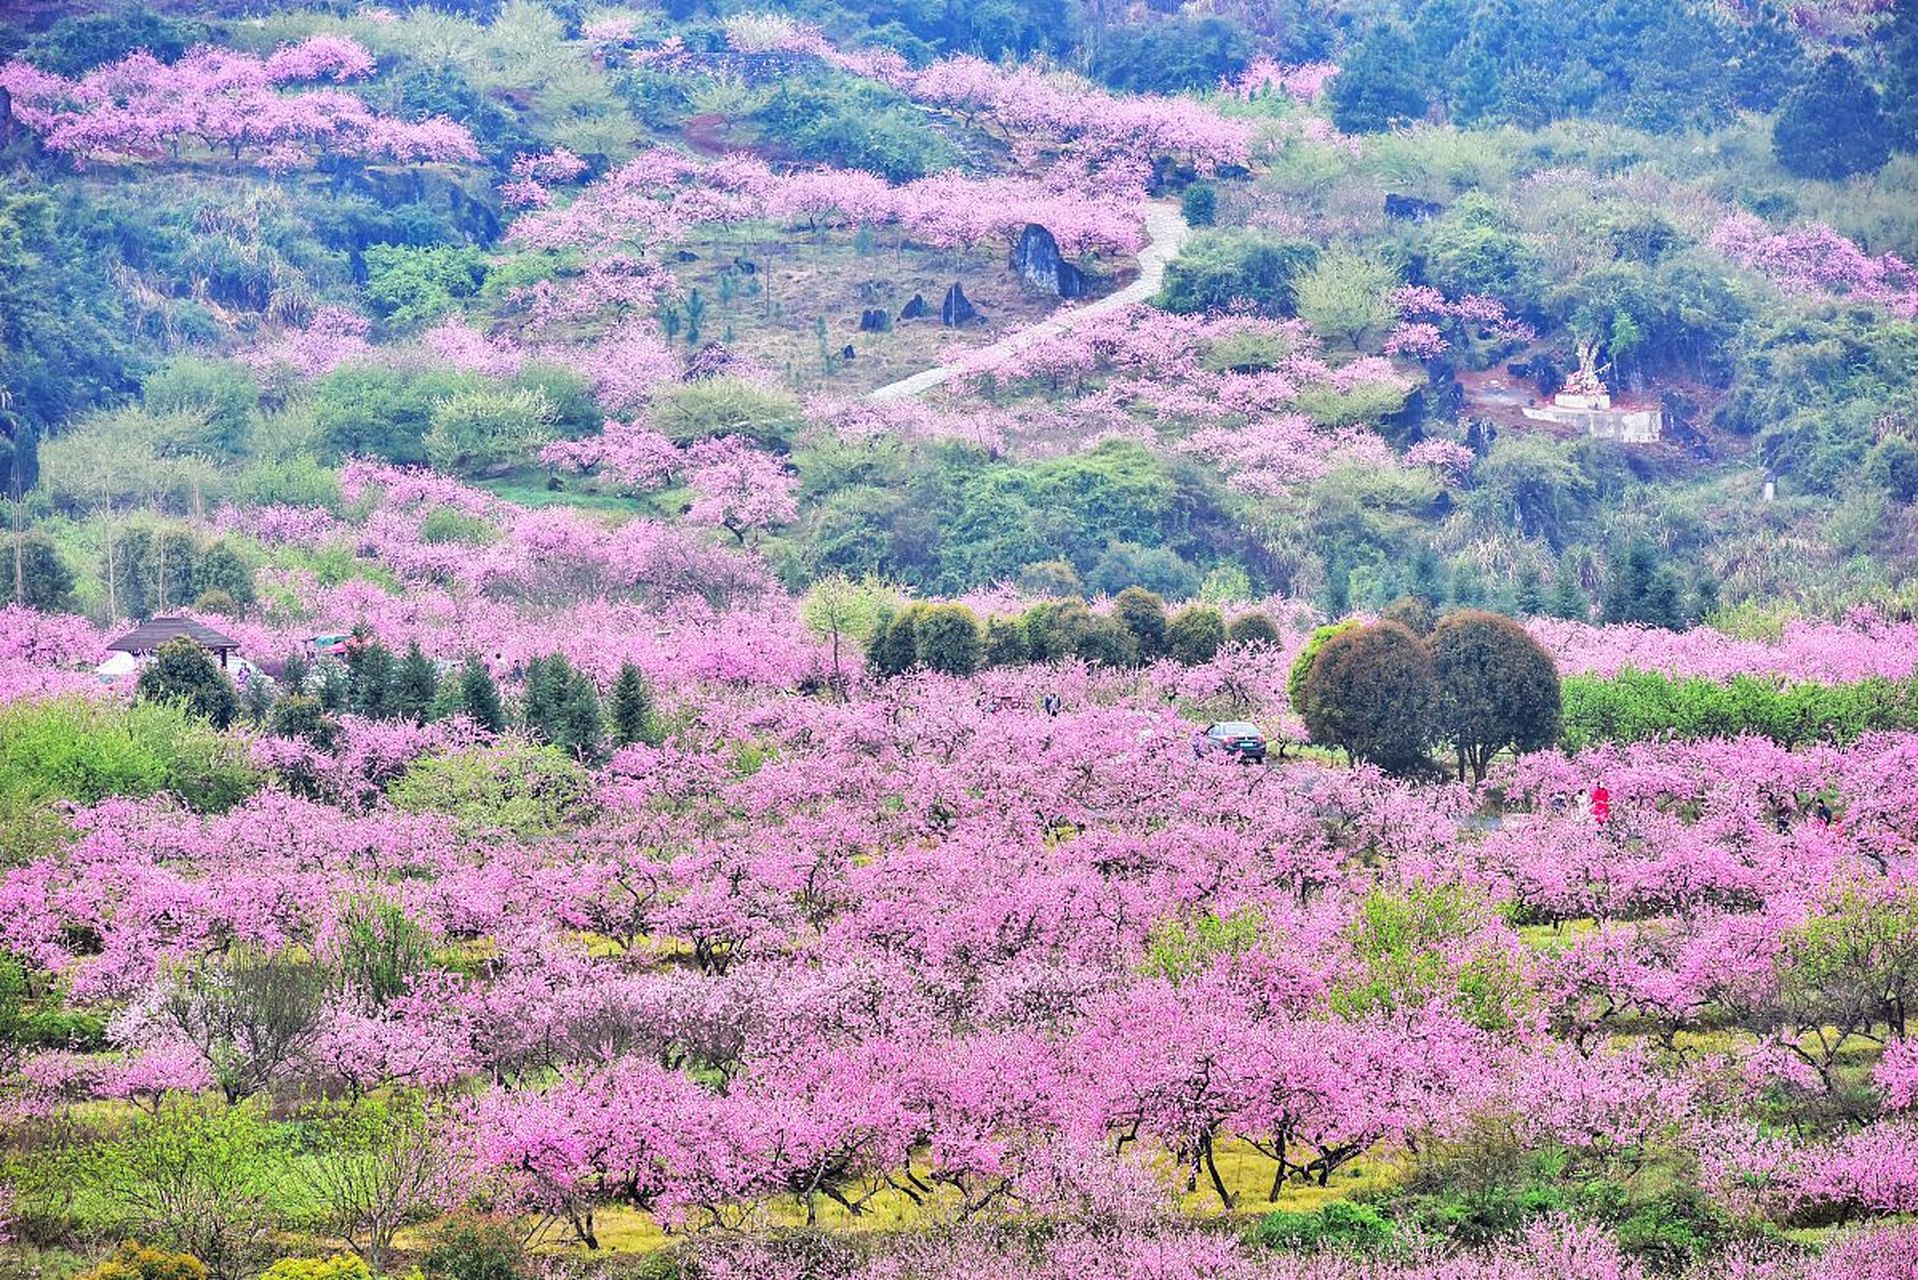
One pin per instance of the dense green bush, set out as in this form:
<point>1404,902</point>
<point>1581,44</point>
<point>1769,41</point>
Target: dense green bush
<point>382,412</point>
<point>946,639</point>
<point>182,672</point>
<point>1214,269</point>
<point>853,124</point>
<point>1341,1225</point>
<point>471,1248</point>
<point>513,786</point>
<point>86,751</point>
<point>1639,706</point>
<point>1195,635</point>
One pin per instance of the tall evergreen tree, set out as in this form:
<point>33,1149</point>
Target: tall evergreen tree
<point>369,677</point>
<point>1833,125</point>
<point>1379,85</point>
<point>415,685</point>
<point>580,727</point>
<point>544,696</point>
<point>1568,599</point>
<point>479,697</point>
<point>632,707</point>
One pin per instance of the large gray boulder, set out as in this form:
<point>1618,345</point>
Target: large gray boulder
<point>1040,264</point>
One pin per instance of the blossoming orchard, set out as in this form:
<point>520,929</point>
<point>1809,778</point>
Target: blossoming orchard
<point>871,642</point>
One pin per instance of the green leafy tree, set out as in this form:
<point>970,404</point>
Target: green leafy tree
<point>1005,643</point>
<point>894,648</point>
<point>1421,946</point>
<point>300,715</point>
<point>372,1166</point>
<point>1834,125</point>
<point>197,1176</point>
<point>222,394</point>
<point>1371,691</point>
<point>1195,635</point>
<point>1215,269</point>
<point>487,427</point>
<point>837,608</point>
<point>1347,296</point>
<point>378,950</point>
<point>183,672</point>
<point>529,791</point>
<point>33,574</point>
<point>1105,642</point>
<point>409,286</point>
<point>1497,689</point>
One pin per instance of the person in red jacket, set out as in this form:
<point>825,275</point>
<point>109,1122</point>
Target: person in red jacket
<point>1601,804</point>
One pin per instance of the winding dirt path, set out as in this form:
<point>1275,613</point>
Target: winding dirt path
<point>1166,230</point>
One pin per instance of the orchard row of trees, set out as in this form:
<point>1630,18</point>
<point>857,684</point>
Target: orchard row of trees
<point>558,705</point>
<point>949,638</point>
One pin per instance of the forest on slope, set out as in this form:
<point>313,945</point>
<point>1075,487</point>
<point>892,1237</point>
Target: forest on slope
<point>1716,199</point>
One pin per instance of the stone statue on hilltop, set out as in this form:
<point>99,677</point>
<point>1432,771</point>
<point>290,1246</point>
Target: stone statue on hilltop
<point>1589,378</point>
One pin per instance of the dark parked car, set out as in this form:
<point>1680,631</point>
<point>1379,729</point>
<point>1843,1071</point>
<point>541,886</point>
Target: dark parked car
<point>1239,738</point>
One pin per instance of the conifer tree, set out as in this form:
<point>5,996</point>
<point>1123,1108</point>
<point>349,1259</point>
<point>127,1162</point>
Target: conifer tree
<point>415,685</point>
<point>631,707</point>
<point>479,697</point>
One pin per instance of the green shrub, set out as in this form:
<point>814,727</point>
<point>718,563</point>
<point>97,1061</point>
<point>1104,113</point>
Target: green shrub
<point>1253,628</point>
<point>475,1249</point>
<point>1200,204</point>
<point>1341,1225</point>
<point>85,751</point>
<point>513,786</point>
<point>1195,635</point>
<point>184,672</point>
<point>1214,269</point>
<point>1640,706</point>
<point>343,1266</point>
<point>946,639</point>
<point>135,1261</point>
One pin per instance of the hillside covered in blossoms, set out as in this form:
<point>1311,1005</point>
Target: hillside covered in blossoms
<point>851,640</point>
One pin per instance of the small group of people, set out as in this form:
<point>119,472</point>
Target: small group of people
<point>1783,808</point>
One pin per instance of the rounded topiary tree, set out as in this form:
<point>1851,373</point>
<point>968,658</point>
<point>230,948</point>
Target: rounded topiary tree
<point>1497,688</point>
<point>947,639</point>
<point>1253,628</point>
<point>1371,690</point>
<point>1005,644</point>
<point>1302,665</point>
<point>1142,613</point>
<point>1195,635</point>
<point>182,671</point>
